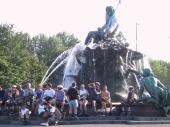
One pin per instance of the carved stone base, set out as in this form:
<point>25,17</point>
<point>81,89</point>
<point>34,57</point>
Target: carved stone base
<point>144,110</point>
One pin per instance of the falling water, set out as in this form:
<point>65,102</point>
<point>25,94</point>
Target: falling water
<point>60,64</point>
<point>72,67</point>
<point>127,56</point>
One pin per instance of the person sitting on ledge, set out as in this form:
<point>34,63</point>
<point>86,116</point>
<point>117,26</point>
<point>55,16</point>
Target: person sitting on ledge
<point>107,30</point>
<point>24,114</point>
<point>106,99</point>
<point>51,114</point>
<point>92,98</point>
<point>2,101</point>
<point>83,99</point>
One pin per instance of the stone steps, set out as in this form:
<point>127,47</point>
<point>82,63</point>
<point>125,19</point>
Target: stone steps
<point>92,120</point>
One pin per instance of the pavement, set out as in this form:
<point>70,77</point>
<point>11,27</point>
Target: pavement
<point>98,125</point>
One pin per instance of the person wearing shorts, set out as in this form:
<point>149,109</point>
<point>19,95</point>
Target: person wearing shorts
<point>60,97</point>
<point>73,97</point>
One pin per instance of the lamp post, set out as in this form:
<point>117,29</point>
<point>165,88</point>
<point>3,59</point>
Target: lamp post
<point>137,62</point>
<point>137,36</point>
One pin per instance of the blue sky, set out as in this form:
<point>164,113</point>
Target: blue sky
<point>80,16</point>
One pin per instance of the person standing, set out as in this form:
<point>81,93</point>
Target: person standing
<point>73,97</point>
<point>60,99</point>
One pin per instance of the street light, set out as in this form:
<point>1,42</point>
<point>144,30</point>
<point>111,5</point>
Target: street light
<point>137,36</point>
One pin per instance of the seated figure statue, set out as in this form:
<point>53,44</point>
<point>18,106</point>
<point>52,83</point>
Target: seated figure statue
<point>107,30</point>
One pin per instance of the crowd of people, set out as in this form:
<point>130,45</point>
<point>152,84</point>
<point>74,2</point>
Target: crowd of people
<point>49,102</point>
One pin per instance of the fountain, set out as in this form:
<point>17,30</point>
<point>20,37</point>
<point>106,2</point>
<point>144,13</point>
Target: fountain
<point>110,62</point>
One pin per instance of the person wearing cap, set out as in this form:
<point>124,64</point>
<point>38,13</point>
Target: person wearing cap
<point>60,97</point>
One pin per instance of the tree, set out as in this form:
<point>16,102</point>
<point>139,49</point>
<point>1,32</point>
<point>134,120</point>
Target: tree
<point>161,70</point>
<point>23,58</point>
<point>48,48</point>
<point>16,62</point>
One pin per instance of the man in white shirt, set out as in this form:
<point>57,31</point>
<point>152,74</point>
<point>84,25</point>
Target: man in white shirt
<point>83,99</point>
<point>24,113</point>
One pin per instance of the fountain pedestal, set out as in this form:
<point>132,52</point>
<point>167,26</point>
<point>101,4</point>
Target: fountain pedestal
<point>143,110</point>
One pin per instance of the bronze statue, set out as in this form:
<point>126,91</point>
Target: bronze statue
<point>158,93</point>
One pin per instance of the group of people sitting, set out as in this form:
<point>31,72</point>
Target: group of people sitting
<point>50,102</point>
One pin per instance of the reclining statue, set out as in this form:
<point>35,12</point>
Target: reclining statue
<point>156,90</point>
<point>107,30</point>
<point>158,93</point>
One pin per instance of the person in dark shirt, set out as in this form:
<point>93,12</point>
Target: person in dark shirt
<point>73,97</point>
<point>129,101</point>
<point>92,98</point>
<point>2,93</point>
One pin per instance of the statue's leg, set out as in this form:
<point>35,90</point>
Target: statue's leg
<point>161,96</point>
<point>152,100</point>
<point>167,110</point>
<point>89,37</point>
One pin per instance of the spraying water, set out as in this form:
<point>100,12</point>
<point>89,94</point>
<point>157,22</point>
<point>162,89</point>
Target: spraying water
<point>146,63</point>
<point>57,60</point>
<point>72,67</point>
<point>60,64</point>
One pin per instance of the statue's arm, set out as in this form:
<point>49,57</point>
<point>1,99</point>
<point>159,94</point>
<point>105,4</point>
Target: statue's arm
<point>160,84</point>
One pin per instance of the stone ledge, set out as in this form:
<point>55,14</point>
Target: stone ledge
<point>93,120</point>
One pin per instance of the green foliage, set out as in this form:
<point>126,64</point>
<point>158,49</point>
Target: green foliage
<point>17,64</point>
<point>23,58</point>
<point>48,48</point>
<point>161,70</point>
